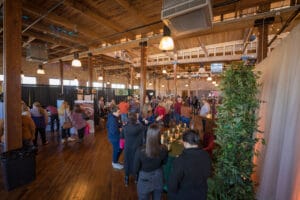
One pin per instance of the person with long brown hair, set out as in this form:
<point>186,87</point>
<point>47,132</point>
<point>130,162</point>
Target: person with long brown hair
<point>148,164</point>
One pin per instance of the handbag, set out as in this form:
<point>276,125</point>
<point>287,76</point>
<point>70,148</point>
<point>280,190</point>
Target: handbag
<point>122,143</point>
<point>67,125</point>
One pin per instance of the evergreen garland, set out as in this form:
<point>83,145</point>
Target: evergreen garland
<point>236,123</point>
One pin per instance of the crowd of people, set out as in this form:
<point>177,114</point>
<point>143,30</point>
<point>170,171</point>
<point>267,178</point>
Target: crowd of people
<point>136,132</point>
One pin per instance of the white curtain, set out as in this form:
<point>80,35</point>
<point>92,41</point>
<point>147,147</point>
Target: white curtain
<point>278,166</point>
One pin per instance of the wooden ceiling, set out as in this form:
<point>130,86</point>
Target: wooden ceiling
<point>108,26</point>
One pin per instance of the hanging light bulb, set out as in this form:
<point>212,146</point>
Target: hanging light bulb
<point>107,82</point>
<point>209,78</point>
<point>76,62</point>
<point>178,76</point>
<point>22,74</point>
<point>166,42</point>
<point>164,71</point>
<point>162,85</point>
<point>214,82</point>
<point>150,84</point>
<point>75,79</point>
<point>40,70</point>
<point>100,78</point>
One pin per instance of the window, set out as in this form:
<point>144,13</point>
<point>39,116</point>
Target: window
<point>70,82</point>
<point>54,81</point>
<point>28,80</point>
<point>97,84</point>
<point>136,87</point>
<point>24,80</point>
<point>117,86</point>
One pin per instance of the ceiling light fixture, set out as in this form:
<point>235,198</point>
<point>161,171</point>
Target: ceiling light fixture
<point>40,70</point>
<point>214,82</point>
<point>100,78</point>
<point>209,78</point>
<point>166,42</point>
<point>164,71</point>
<point>22,74</point>
<point>76,62</point>
<point>75,79</point>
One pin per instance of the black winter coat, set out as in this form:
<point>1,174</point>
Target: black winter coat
<point>133,135</point>
<point>188,178</point>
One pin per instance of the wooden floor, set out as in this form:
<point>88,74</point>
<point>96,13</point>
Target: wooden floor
<point>75,171</point>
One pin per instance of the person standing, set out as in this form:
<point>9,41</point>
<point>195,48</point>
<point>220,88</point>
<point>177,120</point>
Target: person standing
<point>148,164</point>
<point>124,107</point>
<point>205,109</point>
<point>177,109</point>
<point>113,128</point>
<point>78,121</point>
<point>190,171</point>
<point>64,113</point>
<point>133,134</point>
<point>40,118</point>
<point>186,114</point>
<point>53,117</point>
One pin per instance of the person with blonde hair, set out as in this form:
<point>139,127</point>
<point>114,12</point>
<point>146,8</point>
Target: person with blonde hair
<point>64,117</point>
<point>40,118</point>
<point>25,109</point>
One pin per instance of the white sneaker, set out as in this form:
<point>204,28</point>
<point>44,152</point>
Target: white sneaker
<point>63,141</point>
<point>117,166</point>
<point>71,139</point>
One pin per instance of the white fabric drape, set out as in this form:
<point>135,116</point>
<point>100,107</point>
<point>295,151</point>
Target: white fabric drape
<point>278,168</point>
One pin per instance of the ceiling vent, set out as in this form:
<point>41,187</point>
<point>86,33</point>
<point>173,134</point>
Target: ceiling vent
<point>37,52</point>
<point>187,16</point>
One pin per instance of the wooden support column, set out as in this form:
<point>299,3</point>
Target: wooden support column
<point>175,78</point>
<point>168,86</point>
<point>61,73</point>
<point>143,73</point>
<point>154,80</point>
<point>263,31</point>
<point>104,78</point>
<point>12,62</point>
<point>131,77</point>
<point>262,48</point>
<point>90,68</point>
<point>158,88</point>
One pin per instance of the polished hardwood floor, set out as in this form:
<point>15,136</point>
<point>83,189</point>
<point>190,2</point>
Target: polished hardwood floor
<point>79,171</point>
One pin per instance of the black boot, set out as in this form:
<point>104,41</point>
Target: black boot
<point>126,180</point>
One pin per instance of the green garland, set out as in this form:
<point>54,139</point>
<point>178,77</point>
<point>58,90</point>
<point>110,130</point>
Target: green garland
<point>237,121</point>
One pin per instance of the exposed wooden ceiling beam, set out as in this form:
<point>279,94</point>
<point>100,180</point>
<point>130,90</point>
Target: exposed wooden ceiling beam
<point>61,21</point>
<point>202,45</point>
<point>48,39</point>
<point>30,39</point>
<point>116,47</point>
<point>84,10</point>
<point>53,46</point>
<point>132,11</point>
<point>46,29</point>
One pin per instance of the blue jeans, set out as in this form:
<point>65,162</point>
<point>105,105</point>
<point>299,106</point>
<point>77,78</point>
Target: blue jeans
<point>186,121</point>
<point>124,118</point>
<point>177,118</point>
<point>116,150</point>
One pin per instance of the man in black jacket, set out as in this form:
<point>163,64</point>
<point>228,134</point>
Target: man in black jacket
<point>188,179</point>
